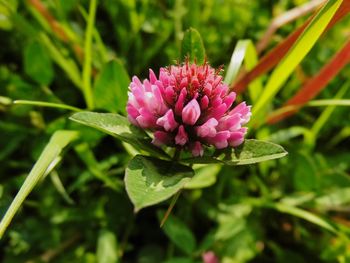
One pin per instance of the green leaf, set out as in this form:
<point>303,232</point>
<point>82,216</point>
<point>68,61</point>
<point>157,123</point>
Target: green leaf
<point>5,14</point>
<point>294,56</point>
<point>306,215</point>
<point>178,232</point>
<point>111,87</point>
<point>119,127</point>
<point>333,200</point>
<point>251,151</point>
<point>192,46</point>
<point>38,64</point>
<point>150,181</point>
<point>305,174</point>
<point>46,162</point>
<point>205,176</point>
<point>107,248</point>
<point>87,156</point>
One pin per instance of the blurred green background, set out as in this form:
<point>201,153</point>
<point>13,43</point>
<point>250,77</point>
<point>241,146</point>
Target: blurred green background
<point>292,210</point>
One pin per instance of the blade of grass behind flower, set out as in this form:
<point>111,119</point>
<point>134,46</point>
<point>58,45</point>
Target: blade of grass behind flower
<point>87,65</point>
<point>244,51</point>
<point>312,103</point>
<point>315,85</point>
<point>274,56</point>
<point>59,140</point>
<point>294,56</point>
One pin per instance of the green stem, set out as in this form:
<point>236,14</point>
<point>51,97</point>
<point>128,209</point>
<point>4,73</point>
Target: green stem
<point>87,90</point>
<point>170,208</point>
<point>177,153</point>
<point>46,104</point>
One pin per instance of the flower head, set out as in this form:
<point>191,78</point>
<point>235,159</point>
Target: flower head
<point>188,106</point>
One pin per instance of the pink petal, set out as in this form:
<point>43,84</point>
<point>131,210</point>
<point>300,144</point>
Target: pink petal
<point>181,137</point>
<point>146,119</point>
<point>132,111</point>
<point>204,102</point>
<point>220,139</point>
<point>184,83</point>
<point>136,81</point>
<point>216,102</point>
<point>229,99</point>
<point>236,138</point>
<point>168,121</point>
<point>218,111</point>
<point>161,138</point>
<point>152,76</point>
<point>244,110</point>
<point>209,257</point>
<point>180,101</point>
<point>208,128</point>
<point>169,95</point>
<point>230,122</point>
<point>197,149</point>
<point>191,112</point>
<point>207,88</point>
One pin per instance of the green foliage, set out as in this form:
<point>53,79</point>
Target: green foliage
<point>192,46</point>
<point>37,64</point>
<point>110,89</point>
<point>48,159</point>
<point>118,126</point>
<point>249,152</point>
<point>180,234</point>
<point>294,56</point>
<point>149,181</point>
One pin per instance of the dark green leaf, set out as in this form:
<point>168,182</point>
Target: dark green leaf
<point>179,234</point>
<point>111,87</point>
<point>305,175</point>
<point>37,63</point>
<point>192,46</point>
<point>119,127</point>
<point>150,181</point>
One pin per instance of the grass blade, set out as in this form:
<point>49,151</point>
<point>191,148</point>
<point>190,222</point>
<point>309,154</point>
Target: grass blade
<point>236,60</point>
<point>58,141</point>
<point>274,56</point>
<point>244,51</point>
<point>87,90</point>
<point>294,56</point>
<point>303,214</point>
<point>313,103</point>
<point>315,85</point>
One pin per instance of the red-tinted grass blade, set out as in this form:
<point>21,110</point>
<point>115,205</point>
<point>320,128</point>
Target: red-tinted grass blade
<point>277,53</point>
<point>316,84</point>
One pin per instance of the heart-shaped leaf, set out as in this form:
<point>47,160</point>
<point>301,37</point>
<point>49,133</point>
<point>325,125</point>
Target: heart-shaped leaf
<point>150,180</point>
<point>119,127</point>
<point>251,151</point>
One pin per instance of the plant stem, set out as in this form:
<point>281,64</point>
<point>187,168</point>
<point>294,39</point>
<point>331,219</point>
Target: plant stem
<point>177,154</point>
<point>47,104</point>
<point>170,208</point>
<point>87,90</point>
